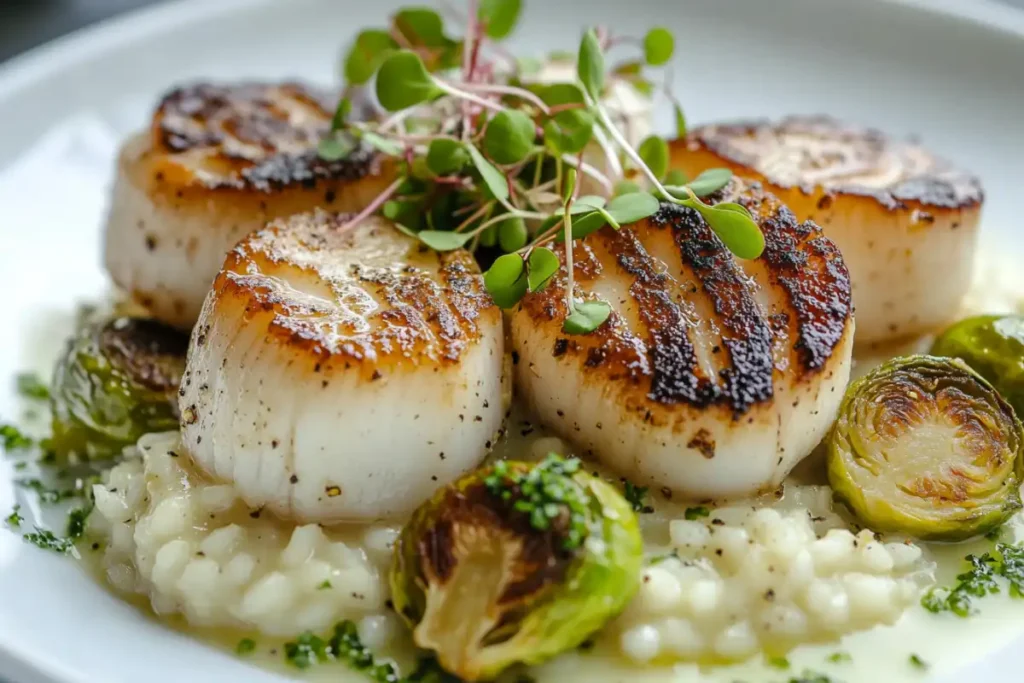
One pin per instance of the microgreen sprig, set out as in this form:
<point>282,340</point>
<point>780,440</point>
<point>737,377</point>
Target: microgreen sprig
<point>491,158</point>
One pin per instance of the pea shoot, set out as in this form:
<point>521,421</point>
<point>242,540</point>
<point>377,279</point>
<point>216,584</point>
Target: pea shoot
<point>489,158</point>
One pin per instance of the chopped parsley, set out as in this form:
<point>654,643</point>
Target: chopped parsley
<point>839,657</point>
<point>918,663</point>
<point>76,522</point>
<point>811,677</point>
<point>544,492</point>
<point>30,386</point>
<point>344,646</point>
<point>696,513</point>
<point>778,662</point>
<point>45,539</point>
<point>635,496</point>
<point>981,579</point>
<point>245,646</point>
<point>14,519</point>
<point>324,586</point>
<point>13,439</point>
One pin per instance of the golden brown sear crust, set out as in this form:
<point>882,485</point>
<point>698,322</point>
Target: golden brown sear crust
<point>366,293</point>
<point>251,136</point>
<point>810,152</point>
<point>801,270</point>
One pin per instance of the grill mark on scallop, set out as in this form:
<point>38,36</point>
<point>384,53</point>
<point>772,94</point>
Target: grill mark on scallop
<point>674,372</point>
<point>939,184</point>
<point>258,136</point>
<point>805,283</point>
<point>746,334</point>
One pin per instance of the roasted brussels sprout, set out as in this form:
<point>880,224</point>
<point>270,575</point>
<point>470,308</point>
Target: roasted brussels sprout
<point>925,446</point>
<point>117,381</point>
<point>994,346</point>
<point>515,563</point>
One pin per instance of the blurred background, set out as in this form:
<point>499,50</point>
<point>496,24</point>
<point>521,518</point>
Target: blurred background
<point>27,23</point>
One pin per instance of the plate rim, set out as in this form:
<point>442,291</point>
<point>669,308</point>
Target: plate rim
<point>49,58</point>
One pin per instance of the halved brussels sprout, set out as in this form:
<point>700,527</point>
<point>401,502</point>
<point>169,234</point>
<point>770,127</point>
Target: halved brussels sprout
<point>925,446</point>
<point>117,381</point>
<point>994,346</point>
<point>515,563</point>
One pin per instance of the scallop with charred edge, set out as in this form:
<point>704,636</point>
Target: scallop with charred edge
<point>342,374</point>
<point>713,376</point>
<point>218,162</point>
<point>905,220</point>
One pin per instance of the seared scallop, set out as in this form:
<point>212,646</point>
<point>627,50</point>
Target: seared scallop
<point>342,373</point>
<point>713,376</point>
<point>905,220</point>
<point>218,162</point>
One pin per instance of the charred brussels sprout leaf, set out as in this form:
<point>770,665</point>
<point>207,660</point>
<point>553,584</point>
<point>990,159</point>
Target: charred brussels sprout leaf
<point>925,446</point>
<point>116,382</point>
<point>994,346</point>
<point>515,563</point>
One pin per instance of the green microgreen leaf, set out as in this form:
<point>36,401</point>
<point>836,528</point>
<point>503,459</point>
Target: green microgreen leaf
<point>335,148</point>
<point>737,230</point>
<point>625,187</point>
<point>512,234</point>
<point>568,185</point>
<point>369,50</point>
<point>492,177</point>
<point>499,17</point>
<point>403,82</point>
<point>341,113</point>
<point>421,26</point>
<point>680,118</point>
<point>381,143</point>
<point>505,280</point>
<point>654,152</point>
<point>585,225</point>
<point>630,208</point>
<point>569,130</point>
<point>675,177</point>
<point>588,316</point>
<point>446,156</point>
<point>709,181</point>
<point>489,237</point>
<point>587,203</point>
<point>590,65</point>
<point>439,240</point>
<point>509,137</point>
<point>659,45</point>
<point>543,264</point>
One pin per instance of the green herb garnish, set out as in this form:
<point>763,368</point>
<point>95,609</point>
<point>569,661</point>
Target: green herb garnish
<point>839,657</point>
<point>306,650</point>
<point>45,539</point>
<point>483,154</point>
<point>918,663</point>
<point>778,662</point>
<point>77,519</point>
<point>31,386</point>
<point>696,513</point>
<point>14,519</point>
<point>635,495</point>
<point>544,493</point>
<point>324,586</point>
<point>981,579</point>
<point>13,439</point>
<point>245,646</point>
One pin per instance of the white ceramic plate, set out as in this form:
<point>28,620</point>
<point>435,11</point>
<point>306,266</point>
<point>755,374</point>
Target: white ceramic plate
<point>952,72</point>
